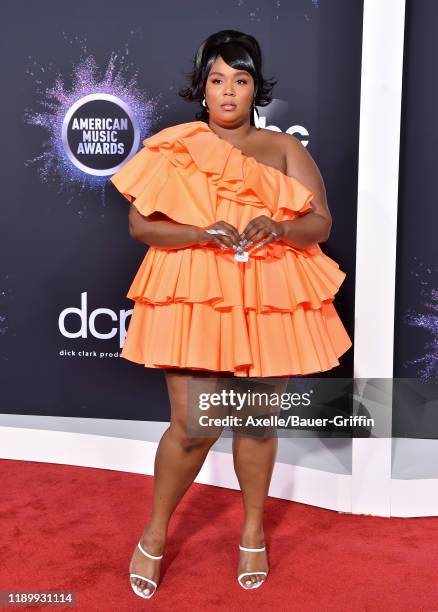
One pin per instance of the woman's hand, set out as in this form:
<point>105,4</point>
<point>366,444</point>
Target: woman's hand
<point>221,234</point>
<point>261,228</point>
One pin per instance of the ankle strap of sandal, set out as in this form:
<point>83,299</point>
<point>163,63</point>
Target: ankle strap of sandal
<point>252,549</point>
<point>147,554</point>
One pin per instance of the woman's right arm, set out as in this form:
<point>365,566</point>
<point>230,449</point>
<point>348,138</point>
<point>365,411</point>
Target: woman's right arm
<point>159,230</point>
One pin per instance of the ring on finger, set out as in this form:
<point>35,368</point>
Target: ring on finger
<point>217,231</point>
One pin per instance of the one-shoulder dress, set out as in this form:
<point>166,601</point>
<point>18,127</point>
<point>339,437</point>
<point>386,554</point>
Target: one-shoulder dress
<point>197,307</point>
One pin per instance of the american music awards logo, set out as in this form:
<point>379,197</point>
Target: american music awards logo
<point>94,126</point>
<point>100,133</point>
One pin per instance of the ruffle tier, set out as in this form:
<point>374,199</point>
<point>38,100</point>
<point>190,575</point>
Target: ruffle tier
<point>196,307</point>
<point>198,275</point>
<point>247,343</point>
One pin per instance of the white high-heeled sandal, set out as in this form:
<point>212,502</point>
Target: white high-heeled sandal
<point>134,587</point>
<point>257,584</point>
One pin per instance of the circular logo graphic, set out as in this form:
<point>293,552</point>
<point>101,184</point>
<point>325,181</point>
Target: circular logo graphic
<point>100,134</point>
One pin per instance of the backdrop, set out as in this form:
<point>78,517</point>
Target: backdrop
<point>415,403</point>
<point>67,258</point>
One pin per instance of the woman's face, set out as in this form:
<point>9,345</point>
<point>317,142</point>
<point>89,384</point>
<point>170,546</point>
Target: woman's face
<point>226,85</point>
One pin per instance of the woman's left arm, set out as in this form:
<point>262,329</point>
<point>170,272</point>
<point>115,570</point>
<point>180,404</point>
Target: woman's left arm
<point>313,226</point>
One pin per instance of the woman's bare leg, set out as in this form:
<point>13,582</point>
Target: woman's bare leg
<point>254,460</point>
<point>177,463</point>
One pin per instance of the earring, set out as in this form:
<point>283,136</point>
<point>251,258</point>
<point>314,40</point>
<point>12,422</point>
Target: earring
<point>256,117</point>
<point>204,103</point>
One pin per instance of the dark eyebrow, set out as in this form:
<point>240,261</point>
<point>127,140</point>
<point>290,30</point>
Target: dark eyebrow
<point>238,72</point>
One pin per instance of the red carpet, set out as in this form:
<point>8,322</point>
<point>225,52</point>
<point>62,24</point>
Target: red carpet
<point>73,528</point>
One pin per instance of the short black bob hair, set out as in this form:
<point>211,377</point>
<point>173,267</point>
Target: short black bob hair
<point>238,50</point>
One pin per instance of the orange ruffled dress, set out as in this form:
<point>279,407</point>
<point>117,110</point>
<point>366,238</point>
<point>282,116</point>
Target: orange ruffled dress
<point>197,307</point>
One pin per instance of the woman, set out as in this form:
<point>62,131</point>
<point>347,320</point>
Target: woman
<point>234,283</point>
